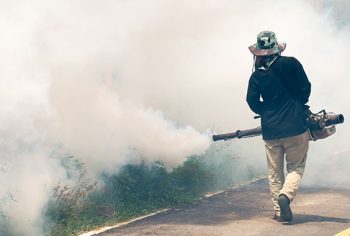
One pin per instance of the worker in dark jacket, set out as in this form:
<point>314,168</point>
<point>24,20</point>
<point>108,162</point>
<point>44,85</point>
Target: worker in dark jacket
<point>278,90</point>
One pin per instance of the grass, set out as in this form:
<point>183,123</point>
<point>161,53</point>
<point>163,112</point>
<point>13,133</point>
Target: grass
<point>137,190</point>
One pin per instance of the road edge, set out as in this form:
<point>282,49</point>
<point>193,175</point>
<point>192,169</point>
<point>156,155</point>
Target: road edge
<point>206,196</point>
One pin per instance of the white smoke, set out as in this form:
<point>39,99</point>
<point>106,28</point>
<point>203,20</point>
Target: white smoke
<point>106,78</point>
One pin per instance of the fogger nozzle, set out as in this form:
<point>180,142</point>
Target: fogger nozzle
<point>333,119</point>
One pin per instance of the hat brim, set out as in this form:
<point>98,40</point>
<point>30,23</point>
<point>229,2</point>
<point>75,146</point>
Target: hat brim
<point>266,52</point>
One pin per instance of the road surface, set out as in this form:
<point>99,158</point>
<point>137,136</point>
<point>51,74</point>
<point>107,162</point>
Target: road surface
<point>247,211</point>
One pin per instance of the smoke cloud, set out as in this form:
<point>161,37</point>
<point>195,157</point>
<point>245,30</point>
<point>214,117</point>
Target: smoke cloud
<point>115,82</point>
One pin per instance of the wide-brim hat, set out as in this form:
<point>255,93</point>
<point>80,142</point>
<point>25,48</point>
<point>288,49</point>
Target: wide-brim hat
<point>266,52</point>
<point>267,44</point>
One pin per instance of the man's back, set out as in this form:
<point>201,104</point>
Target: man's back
<point>284,88</point>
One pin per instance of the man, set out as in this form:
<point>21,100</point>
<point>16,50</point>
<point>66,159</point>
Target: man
<point>278,91</point>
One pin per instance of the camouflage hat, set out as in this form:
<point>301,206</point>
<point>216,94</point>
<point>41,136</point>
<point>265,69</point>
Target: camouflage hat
<point>267,44</point>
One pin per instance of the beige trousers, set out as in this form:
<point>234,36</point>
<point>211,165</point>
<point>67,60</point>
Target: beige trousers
<point>294,151</point>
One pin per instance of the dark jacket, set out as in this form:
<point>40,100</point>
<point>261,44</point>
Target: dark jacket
<point>284,89</point>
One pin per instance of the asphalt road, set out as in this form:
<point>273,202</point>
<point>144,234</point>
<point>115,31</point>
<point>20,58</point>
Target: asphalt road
<point>247,211</point>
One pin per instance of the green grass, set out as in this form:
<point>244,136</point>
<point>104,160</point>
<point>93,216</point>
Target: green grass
<point>138,190</point>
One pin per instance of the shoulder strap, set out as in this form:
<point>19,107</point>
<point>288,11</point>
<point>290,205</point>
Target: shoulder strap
<point>271,71</point>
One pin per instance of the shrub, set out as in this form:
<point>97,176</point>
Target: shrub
<point>136,190</point>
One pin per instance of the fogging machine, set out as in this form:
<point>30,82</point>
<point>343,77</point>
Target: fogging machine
<point>320,125</point>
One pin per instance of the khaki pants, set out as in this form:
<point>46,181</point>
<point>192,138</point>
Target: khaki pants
<point>294,150</point>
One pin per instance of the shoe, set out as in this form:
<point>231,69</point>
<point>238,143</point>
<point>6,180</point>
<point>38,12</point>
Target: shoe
<point>286,212</point>
<point>278,218</point>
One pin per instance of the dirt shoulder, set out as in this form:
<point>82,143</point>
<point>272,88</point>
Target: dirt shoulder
<point>247,211</point>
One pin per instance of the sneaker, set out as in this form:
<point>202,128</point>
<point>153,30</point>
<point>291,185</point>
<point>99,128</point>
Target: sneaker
<point>286,212</point>
<point>278,218</point>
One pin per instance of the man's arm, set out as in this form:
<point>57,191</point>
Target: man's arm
<point>253,97</point>
<point>303,85</point>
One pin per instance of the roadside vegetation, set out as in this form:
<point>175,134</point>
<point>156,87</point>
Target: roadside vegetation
<point>137,190</point>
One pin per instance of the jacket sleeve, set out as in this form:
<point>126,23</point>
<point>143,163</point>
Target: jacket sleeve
<point>253,97</point>
<point>303,85</point>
